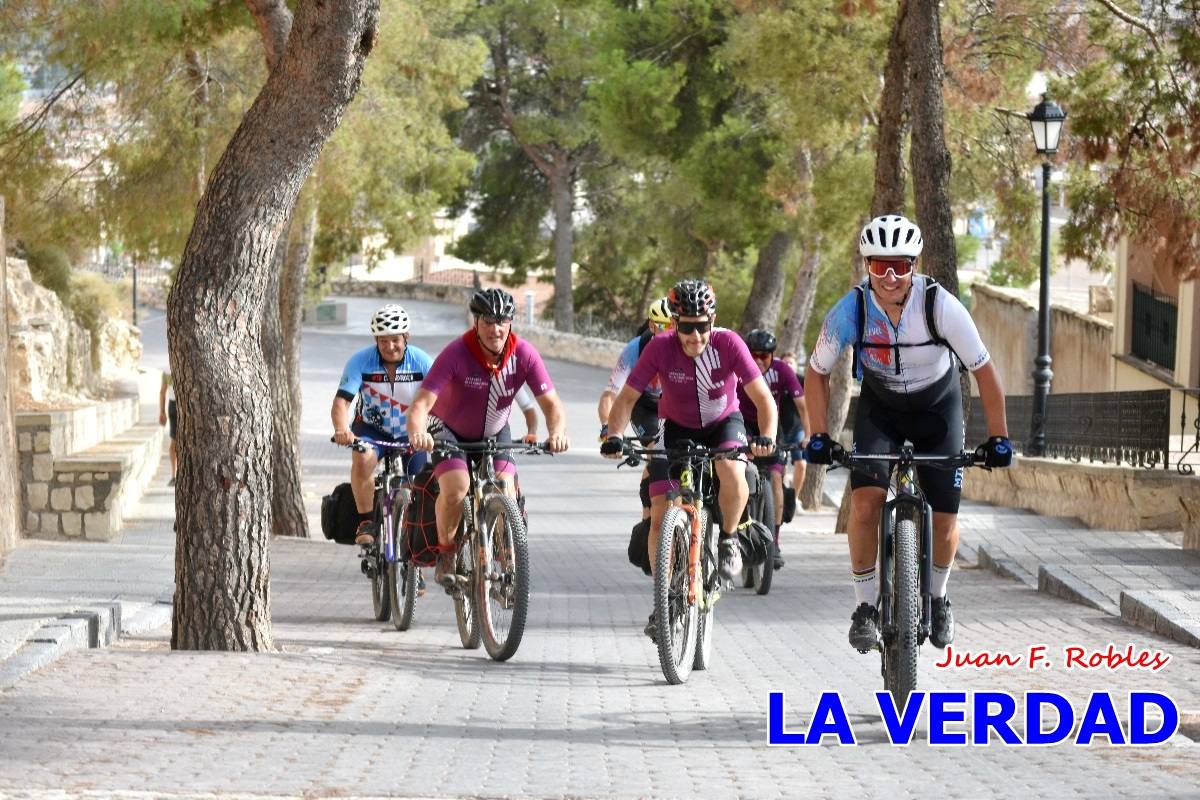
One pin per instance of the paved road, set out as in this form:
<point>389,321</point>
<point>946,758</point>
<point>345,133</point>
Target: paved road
<point>350,707</point>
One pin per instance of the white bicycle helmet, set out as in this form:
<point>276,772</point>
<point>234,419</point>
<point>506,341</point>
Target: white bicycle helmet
<point>391,320</point>
<point>890,236</point>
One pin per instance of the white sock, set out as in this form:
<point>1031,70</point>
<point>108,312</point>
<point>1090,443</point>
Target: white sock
<point>937,581</point>
<point>866,589</point>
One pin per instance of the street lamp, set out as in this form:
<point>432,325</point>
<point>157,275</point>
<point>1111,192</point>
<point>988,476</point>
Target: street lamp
<point>1046,120</point>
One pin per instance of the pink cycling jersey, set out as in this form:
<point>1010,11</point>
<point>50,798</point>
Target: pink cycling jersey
<point>475,402</point>
<point>781,382</point>
<point>696,392</point>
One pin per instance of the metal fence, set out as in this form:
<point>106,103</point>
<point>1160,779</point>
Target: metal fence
<point>1108,427</point>
<point>1155,317</point>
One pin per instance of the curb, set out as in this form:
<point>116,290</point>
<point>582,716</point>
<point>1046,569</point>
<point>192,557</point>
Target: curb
<point>999,563</point>
<point>90,627</point>
<point>1155,612</point>
<point>1058,581</point>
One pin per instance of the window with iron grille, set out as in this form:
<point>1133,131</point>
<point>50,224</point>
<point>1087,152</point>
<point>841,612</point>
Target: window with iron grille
<point>1154,320</point>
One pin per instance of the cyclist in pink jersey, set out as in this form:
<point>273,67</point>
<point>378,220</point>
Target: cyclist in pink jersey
<point>699,368</point>
<point>785,388</point>
<point>467,396</point>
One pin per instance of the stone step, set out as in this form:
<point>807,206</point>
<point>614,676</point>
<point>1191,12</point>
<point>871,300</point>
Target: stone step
<point>90,492</point>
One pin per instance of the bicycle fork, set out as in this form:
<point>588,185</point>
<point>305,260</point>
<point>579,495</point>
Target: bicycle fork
<point>693,553</point>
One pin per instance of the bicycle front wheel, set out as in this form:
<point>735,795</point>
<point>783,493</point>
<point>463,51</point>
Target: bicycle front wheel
<point>502,586</point>
<point>676,618</point>
<point>900,648</point>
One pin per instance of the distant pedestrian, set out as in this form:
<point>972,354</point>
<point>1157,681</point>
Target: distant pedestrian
<point>167,413</point>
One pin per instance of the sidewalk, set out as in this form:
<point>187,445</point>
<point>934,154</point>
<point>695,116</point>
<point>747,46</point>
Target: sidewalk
<point>60,595</point>
<point>1144,577</point>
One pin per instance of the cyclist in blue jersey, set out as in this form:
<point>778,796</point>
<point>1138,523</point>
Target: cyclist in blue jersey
<point>380,383</point>
<point>907,336</point>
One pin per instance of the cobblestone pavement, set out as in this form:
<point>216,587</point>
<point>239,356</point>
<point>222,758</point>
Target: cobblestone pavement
<point>350,707</point>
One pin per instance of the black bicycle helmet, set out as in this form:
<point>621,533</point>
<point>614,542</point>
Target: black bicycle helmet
<point>692,298</point>
<point>493,303</point>
<point>760,341</point>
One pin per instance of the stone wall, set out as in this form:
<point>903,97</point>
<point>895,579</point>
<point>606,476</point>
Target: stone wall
<point>50,355</point>
<point>1102,496</point>
<point>1080,345</point>
<point>403,290</point>
<point>9,465</point>
<point>572,347</point>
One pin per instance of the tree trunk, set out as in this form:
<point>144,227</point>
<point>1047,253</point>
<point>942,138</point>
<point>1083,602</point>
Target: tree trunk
<point>562,190</point>
<point>274,23</point>
<point>199,77</point>
<point>281,345</point>
<point>930,158</point>
<point>10,523</point>
<point>841,383</point>
<point>888,198</point>
<point>804,294</point>
<point>291,298</point>
<point>288,517</point>
<point>215,313</point>
<point>892,123</point>
<point>766,293</point>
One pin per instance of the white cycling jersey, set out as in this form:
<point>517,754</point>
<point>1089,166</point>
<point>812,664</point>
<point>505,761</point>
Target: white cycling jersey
<point>916,365</point>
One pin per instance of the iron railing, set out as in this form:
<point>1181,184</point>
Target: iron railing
<point>1155,317</point>
<point>1109,427</point>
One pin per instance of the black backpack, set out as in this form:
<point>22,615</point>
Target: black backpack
<point>339,514</point>
<point>935,337</point>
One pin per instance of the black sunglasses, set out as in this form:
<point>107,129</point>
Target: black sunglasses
<point>494,320</point>
<point>693,327</point>
<point>762,353</point>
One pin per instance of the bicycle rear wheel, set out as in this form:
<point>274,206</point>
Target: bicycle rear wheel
<point>466,611</point>
<point>502,585</point>
<point>676,617</point>
<point>706,621</point>
<point>402,574</point>
<point>377,571</point>
<point>900,648</point>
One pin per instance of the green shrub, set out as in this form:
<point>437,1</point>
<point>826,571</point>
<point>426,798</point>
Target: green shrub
<point>91,298</point>
<point>51,267</point>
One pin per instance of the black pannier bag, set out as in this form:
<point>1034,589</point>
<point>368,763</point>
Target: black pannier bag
<point>420,520</point>
<point>339,514</point>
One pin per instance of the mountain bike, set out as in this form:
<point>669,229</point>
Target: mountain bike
<point>394,583</point>
<point>761,506</point>
<point>905,563</point>
<point>686,581</point>
<point>491,566</point>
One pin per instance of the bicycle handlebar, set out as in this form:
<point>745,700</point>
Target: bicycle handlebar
<point>963,459</point>
<point>360,444</point>
<point>490,446</point>
<point>635,453</point>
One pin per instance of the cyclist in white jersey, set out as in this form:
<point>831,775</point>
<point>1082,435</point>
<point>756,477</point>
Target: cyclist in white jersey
<point>910,391</point>
<point>381,382</point>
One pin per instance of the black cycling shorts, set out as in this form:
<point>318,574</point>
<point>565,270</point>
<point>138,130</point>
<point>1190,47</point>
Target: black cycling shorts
<point>172,418</point>
<point>502,462</point>
<point>931,419</point>
<point>729,432</point>
<point>644,420</point>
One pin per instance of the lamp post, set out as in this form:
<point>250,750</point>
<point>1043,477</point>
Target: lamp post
<point>1046,119</point>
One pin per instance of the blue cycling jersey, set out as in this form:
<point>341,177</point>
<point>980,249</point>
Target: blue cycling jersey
<point>383,400</point>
